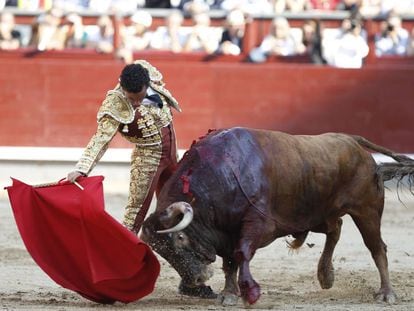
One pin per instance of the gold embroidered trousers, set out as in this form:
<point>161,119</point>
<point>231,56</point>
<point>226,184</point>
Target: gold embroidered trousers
<point>151,166</point>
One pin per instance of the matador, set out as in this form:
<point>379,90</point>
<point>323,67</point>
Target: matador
<point>139,108</point>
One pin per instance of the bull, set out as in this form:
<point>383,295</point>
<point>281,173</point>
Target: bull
<point>239,189</point>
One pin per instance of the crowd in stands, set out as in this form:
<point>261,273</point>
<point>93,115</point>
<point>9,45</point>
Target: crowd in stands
<point>370,7</point>
<point>59,25</point>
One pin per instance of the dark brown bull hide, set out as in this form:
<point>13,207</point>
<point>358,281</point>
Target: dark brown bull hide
<point>243,188</point>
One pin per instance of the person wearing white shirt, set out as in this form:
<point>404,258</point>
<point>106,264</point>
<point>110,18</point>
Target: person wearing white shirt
<point>349,49</point>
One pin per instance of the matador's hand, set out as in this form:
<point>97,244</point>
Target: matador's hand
<point>72,176</point>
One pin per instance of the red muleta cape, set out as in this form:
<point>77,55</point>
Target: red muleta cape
<point>81,247</point>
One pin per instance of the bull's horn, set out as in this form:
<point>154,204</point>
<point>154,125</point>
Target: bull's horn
<point>174,209</point>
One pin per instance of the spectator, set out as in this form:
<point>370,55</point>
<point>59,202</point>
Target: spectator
<point>410,47</point>
<point>28,4</point>
<point>101,5</point>
<point>383,8</point>
<point>137,36</point>
<point>10,38</point>
<point>349,5</point>
<point>370,7</point>
<point>193,7</point>
<point>324,5</point>
<point>186,5</point>
<point>118,6</point>
<point>71,5</point>
<point>312,41</point>
<point>11,3</point>
<point>171,36</point>
<point>231,42</point>
<point>350,47</point>
<point>398,7</point>
<point>73,31</point>
<point>279,42</point>
<point>102,37</point>
<point>202,37</point>
<point>393,39</point>
<point>160,4</point>
<point>280,6</point>
<point>248,6</point>
<point>46,34</point>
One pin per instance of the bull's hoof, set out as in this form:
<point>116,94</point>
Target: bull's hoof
<point>326,276</point>
<point>227,299</point>
<point>385,295</point>
<point>202,291</point>
<point>250,294</point>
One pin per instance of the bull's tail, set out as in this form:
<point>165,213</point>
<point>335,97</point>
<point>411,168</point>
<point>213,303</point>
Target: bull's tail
<point>396,170</point>
<point>404,166</point>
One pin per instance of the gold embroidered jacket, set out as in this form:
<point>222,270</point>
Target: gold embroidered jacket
<point>141,126</point>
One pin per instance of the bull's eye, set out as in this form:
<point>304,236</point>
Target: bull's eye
<point>180,239</point>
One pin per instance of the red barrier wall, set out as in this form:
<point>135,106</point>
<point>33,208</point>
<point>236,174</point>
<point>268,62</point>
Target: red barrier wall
<point>53,102</point>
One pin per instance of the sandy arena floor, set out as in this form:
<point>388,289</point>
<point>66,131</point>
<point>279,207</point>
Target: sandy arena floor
<point>288,281</point>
